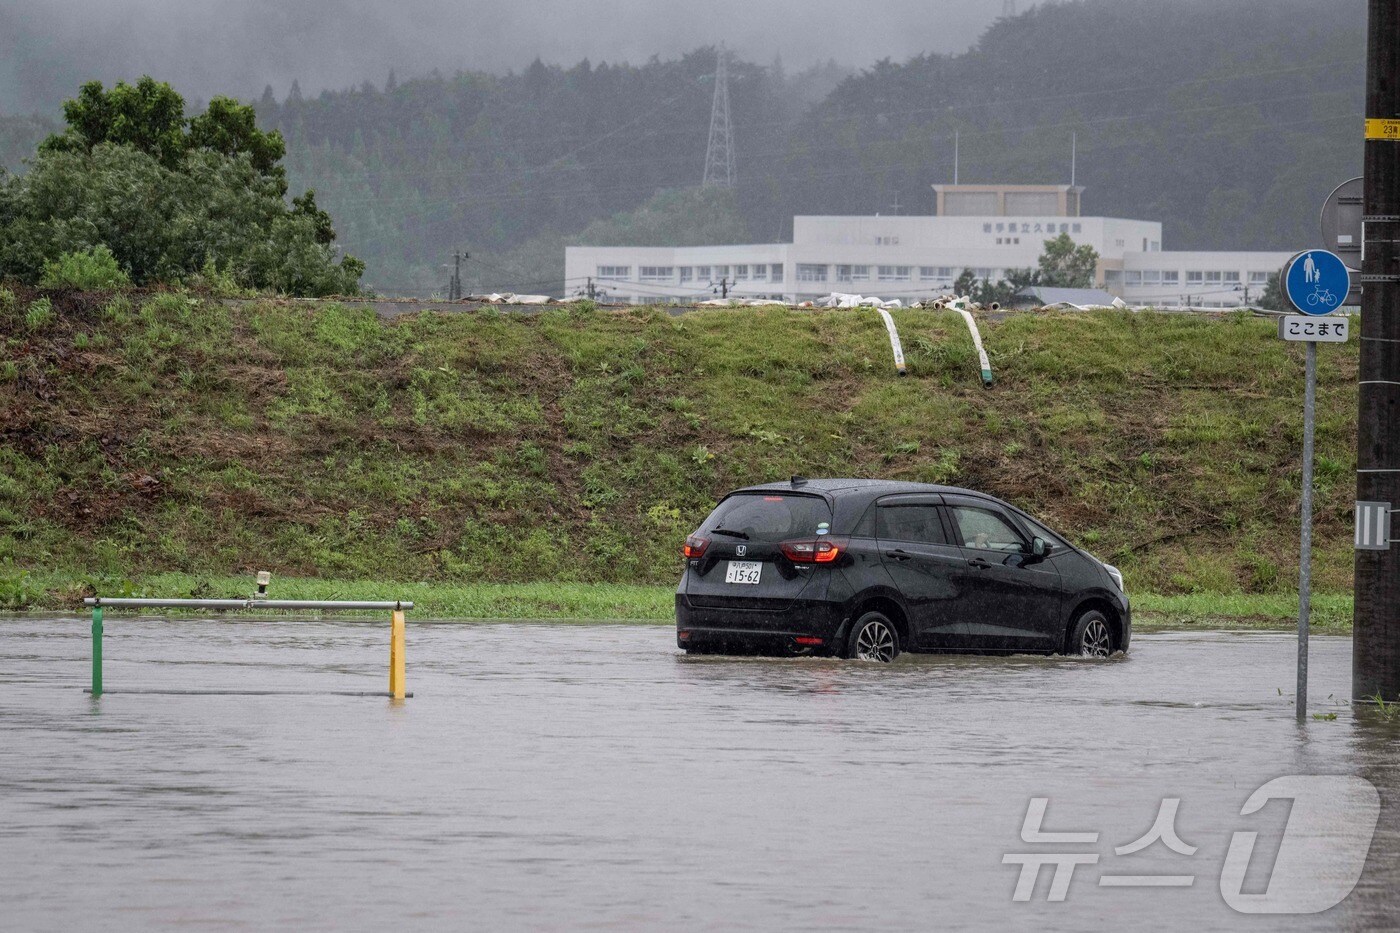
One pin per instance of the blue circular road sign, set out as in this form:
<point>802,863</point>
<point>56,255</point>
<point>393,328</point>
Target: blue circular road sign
<point>1317,282</point>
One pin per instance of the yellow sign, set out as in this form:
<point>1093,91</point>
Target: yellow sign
<point>1383,129</point>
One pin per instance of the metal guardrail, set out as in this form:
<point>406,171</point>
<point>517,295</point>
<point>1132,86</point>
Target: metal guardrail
<point>252,603</point>
<point>396,627</point>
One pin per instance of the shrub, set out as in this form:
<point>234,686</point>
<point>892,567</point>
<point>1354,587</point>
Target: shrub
<point>39,315</point>
<point>90,268</point>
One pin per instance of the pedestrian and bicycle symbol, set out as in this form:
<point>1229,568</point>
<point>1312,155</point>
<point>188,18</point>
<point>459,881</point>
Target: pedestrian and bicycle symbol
<point>1317,282</point>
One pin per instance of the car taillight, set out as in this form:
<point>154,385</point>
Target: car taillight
<point>814,551</point>
<point>695,546</point>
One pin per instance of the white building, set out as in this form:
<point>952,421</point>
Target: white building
<point>986,228</point>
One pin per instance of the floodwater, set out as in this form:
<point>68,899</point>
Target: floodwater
<point>568,777</point>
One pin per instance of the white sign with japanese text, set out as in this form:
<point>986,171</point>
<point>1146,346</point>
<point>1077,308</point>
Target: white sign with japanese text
<point>1328,329</point>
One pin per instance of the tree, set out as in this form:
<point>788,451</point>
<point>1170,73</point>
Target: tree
<point>1272,299</point>
<point>126,182</point>
<point>148,116</point>
<point>1064,265</point>
<point>230,128</point>
<point>985,292</point>
<point>677,217</point>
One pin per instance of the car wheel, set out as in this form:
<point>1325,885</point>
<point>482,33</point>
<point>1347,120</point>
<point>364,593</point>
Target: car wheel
<point>874,638</point>
<point>1091,636</point>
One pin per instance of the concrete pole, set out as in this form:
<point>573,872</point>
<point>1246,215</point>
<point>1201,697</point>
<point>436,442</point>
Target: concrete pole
<point>1376,623</point>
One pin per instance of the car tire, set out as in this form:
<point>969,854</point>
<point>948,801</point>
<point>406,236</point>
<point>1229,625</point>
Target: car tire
<point>1091,636</point>
<point>873,638</point>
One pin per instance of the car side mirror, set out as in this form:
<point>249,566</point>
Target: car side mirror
<point>1041,549</point>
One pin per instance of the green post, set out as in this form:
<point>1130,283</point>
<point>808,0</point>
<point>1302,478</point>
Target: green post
<point>97,651</point>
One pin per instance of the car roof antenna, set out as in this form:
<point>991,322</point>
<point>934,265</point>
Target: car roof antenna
<point>798,480</point>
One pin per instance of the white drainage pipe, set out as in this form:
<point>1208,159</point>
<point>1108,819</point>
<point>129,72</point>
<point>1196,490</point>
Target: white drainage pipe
<point>895,346</point>
<point>977,342</point>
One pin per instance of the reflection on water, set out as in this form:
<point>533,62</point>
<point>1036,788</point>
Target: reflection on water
<point>563,776</point>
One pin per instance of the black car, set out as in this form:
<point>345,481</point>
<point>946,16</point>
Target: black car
<point>869,568</point>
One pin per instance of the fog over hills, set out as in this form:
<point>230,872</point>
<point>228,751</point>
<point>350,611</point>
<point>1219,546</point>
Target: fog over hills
<point>505,133</point>
<point>47,47</point>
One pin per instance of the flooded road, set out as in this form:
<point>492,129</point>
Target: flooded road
<point>565,777</point>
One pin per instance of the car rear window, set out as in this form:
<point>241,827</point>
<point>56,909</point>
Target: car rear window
<point>771,517</point>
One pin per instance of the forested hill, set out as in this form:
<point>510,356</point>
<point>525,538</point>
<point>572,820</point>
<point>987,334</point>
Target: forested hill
<point>1229,120</point>
<point>486,162</point>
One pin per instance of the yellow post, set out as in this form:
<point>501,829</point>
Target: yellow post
<point>396,664</point>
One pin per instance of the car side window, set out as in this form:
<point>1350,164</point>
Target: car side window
<point>914,523</point>
<point>984,530</point>
<point>1040,531</point>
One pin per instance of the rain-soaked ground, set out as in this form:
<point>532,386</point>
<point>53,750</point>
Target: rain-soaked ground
<point>564,777</point>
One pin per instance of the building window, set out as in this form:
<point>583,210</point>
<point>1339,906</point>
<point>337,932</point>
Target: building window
<point>1112,278</point>
<point>894,273</point>
<point>656,273</point>
<point>1232,278</point>
<point>614,272</point>
<point>811,272</point>
<point>853,273</point>
<point>741,273</point>
<point>702,272</point>
<point>721,272</point>
<point>1076,228</point>
<point>1156,246</point>
<point>1195,278</point>
<point>777,268</point>
<point>1171,277</point>
<point>983,273</point>
<point>887,240</point>
<point>760,272</point>
<point>1213,278</point>
<point>1132,279</point>
<point>933,273</point>
<point>687,273</point>
<point>1259,278</point>
<point>1151,277</point>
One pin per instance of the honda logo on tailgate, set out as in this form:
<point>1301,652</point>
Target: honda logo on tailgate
<point>741,550</point>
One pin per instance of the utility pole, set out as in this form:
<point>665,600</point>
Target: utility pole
<point>592,292</point>
<point>723,287</point>
<point>1375,669</point>
<point>454,288</point>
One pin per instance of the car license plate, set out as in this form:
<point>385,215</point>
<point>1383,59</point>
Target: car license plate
<point>743,571</point>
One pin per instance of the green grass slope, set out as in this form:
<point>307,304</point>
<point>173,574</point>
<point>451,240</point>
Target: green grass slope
<point>169,434</point>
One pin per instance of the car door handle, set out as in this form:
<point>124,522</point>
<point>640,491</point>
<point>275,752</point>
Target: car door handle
<point>898,554</point>
<point>979,563</point>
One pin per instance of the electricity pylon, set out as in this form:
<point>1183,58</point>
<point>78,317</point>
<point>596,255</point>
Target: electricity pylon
<point>719,154</point>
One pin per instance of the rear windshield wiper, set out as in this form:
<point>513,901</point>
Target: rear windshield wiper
<point>727,532</point>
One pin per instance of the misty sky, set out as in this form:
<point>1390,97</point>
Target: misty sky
<point>47,47</point>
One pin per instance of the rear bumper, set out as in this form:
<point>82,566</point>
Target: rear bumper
<point>714,627</point>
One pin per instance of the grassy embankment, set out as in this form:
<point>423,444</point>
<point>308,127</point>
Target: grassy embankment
<point>168,445</point>
<point>632,603</point>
